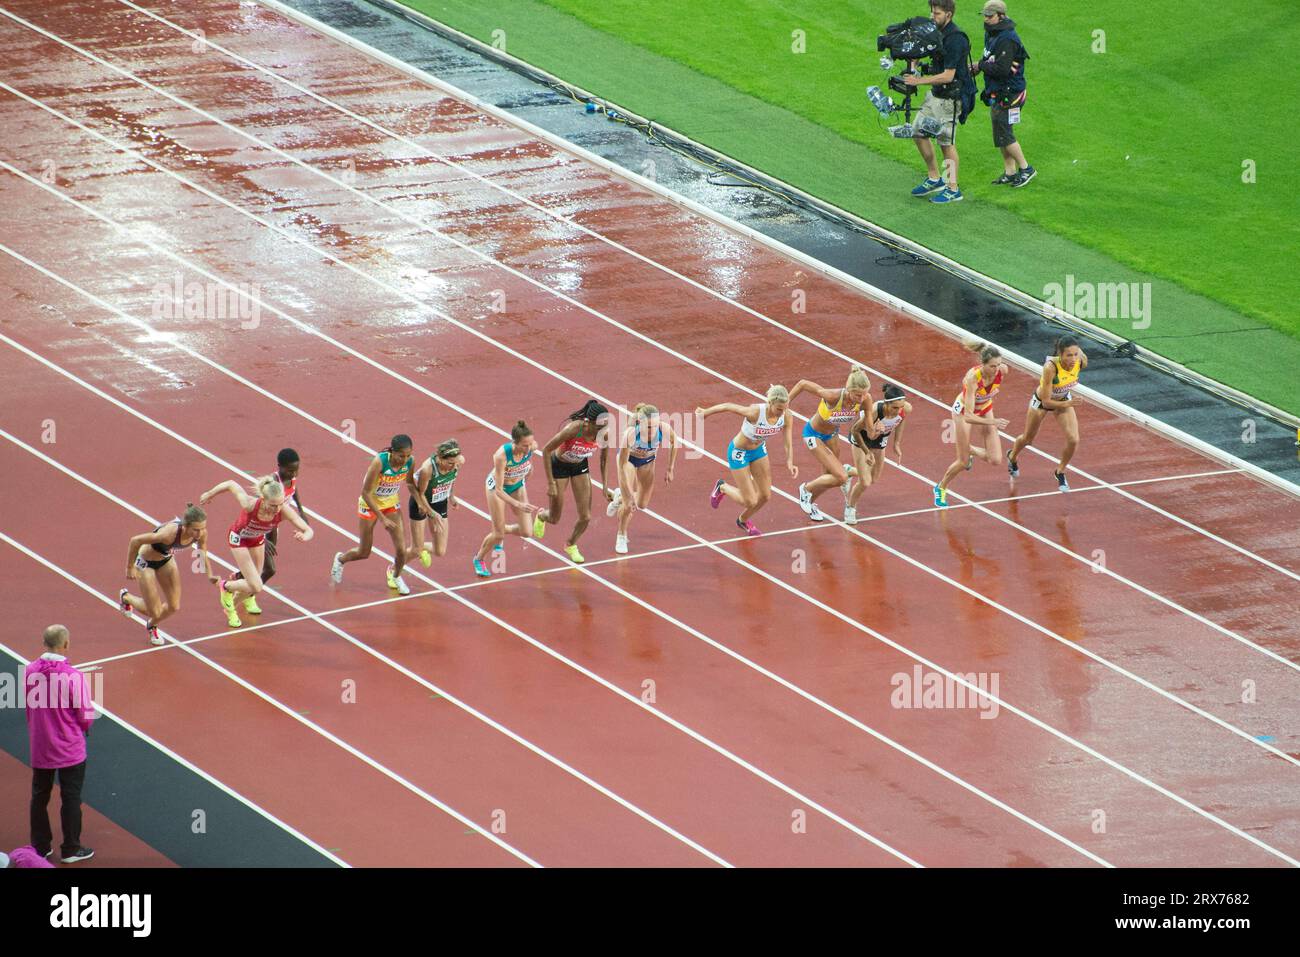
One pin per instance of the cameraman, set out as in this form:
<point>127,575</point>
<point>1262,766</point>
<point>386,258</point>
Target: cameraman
<point>1003,66</point>
<point>942,103</point>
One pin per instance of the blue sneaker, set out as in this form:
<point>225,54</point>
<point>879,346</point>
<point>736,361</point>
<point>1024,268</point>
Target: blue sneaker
<point>928,187</point>
<point>940,497</point>
<point>948,196</point>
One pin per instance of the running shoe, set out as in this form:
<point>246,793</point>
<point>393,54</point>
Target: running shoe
<point>575,556</point>
<point>395,582</point>
<point>250,605</point>
<point>1024,176</point>
<point>927,187</point>
<point>499,547</point>
<point>1061,484</point>
<point>715,497</point>
<point>80,854</point>
<point>154,637</point>
<point>805,501</point>
<point>970,463</point>
<point>481,570</point>
<point>850,471</point>
<point>1006,179</point>
<point>336,570</point>
<point>940,497</point>
<point>620,544</point>
<point>426,557</point>
<point>814,512</point>
<point>850,515</point>
<point>123,604</point>
<point>949,196</point>
<point>612,508</point>
<point>228,603</point>
<point>1012,468</point>
<point>749,527</point>
<point>539,527</point>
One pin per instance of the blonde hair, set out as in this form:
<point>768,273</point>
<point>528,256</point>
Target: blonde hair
<point>646,409</point>
<point>858,379</point>
<point>267,487</point>
<point>778,393</point>
<point>987,353</point>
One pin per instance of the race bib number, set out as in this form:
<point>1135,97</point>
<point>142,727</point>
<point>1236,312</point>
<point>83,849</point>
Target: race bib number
<point>811,441</point>
<point>491,482</point>
<point>234,538</point>
<point>738,455</point>
<point>1013,115</point>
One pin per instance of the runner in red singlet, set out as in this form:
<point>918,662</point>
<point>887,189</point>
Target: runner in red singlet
<point>565,458</point>
<point>260,511</point>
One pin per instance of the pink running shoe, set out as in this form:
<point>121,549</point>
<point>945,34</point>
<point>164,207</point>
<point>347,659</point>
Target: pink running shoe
<point>715,497</point>
<point>749,526</point>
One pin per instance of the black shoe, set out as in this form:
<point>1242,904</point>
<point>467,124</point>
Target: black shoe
<point>1012,468</point>
<point>80,854</point>
<point>1023,177</point>
<point>1006,179</point>
<point>43,853</point>
<point>1061,484</point>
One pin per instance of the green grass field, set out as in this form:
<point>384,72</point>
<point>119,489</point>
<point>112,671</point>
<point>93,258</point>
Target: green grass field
<point>1142,149</point>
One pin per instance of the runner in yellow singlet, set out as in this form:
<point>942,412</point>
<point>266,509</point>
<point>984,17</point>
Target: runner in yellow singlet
<point>389,471</point>
<point>838,407</point>
<point>1054,396</point>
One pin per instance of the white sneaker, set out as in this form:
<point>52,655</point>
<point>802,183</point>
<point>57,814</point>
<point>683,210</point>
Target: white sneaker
<point>336,570</point>
<point>620,544</point>
<point>805,501</point>
<point>850,471</point>
<point>814,512</point>
<point>612,508</point>
<point>396,582</point>
<point>850,515</point>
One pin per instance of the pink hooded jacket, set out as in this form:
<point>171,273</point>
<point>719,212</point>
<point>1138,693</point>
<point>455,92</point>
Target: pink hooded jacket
<point>59,711</point>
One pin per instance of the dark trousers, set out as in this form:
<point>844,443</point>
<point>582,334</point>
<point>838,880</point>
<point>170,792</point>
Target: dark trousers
<point>70,782</point>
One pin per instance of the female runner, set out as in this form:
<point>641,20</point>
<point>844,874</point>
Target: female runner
<point>1054,395</point>
<point>388,472</point>
<point>435,477</point>
<point>821,434</point>
<point>636,467</point>
<point>505,491</point>
<point>972,418</point>
<point>565,459</point>
<point>149,561</point>
<point>869,437</point>
<point>747,453</point>
<point>260,510</point>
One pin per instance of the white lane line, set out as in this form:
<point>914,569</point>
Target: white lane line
<point>728,555</point>
<point>451,90</point>
<point>498,579</point>
<point>278,705</point>
<point>194,768</point>
<point>1011,523</point>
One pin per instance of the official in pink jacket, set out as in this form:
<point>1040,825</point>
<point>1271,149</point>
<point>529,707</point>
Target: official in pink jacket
<point>59,713</point>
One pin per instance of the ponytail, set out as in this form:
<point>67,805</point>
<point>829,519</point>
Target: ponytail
<point>520,430</point>
<point>591,411</point>
<point>193,514</point>
<point>987,353</point>
<point>268,486</point>
<point>893,393</point>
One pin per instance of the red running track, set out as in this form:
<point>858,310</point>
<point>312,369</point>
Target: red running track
<point>1144,710</point>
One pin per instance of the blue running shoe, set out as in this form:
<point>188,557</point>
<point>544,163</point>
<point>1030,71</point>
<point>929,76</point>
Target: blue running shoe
<point>481,570</point>
<point>927,187</point>
<point>948,196</point>
<point>940,497</point>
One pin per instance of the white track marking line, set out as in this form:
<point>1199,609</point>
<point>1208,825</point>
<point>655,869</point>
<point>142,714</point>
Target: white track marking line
<point>733,558</point>
<point>275,703</point>
<point>194,768</point>
<point>448,89</point>
<point>498,579</point>
<point>1103,569</point>
<point>406,672</point>
<point>1255,741</point>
